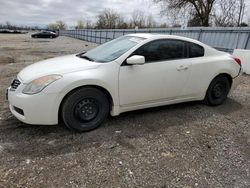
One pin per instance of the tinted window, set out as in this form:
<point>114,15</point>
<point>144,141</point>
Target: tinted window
<point>162,50</point>
<point>195,50</point>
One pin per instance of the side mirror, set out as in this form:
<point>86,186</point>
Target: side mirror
<point>136,60</point>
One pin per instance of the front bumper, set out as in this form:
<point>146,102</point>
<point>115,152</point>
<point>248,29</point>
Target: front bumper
<point>38,109</point>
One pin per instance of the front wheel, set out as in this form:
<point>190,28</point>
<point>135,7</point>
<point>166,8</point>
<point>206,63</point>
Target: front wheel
<point>217,91</point>
<point>85,109</point>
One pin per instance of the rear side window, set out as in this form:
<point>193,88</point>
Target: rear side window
<point>160,50</point>
<point>195,50</point>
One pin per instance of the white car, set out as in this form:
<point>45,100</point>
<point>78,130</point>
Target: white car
<point>132,72</point>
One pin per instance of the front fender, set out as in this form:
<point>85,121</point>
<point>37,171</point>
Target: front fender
<point>93,77</point>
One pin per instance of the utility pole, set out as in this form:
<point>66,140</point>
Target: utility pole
<point>241,13</point>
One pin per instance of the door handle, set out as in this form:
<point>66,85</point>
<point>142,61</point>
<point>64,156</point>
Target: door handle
<point>182,67</point>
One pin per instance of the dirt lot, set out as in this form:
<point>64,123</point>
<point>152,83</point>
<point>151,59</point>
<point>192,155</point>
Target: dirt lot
<point>184,145</point>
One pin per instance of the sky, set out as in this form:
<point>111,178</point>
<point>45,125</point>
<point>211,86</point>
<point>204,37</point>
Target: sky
<point>43,12</point>
<point>33,12</point>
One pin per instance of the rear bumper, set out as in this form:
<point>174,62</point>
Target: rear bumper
<point>236,81</point>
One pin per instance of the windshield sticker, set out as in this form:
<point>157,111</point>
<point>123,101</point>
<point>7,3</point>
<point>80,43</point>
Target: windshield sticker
<point>136,39</point>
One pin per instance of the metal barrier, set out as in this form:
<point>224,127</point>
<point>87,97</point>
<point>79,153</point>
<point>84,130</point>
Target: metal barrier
<point>225,39</point>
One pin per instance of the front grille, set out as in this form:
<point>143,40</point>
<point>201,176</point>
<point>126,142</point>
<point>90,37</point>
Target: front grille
<point>15,83</point>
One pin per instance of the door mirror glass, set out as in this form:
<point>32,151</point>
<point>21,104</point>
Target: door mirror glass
<point>136,60</point>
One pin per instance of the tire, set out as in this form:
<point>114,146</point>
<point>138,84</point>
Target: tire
<point>85,109</point>
<point>217,91</point>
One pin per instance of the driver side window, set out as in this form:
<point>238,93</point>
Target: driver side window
<point>161,50</point>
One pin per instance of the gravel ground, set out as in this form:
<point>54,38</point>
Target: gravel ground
<point>184,145</point>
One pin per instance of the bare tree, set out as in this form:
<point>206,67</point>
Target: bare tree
<point>8,25</point>
<point>138,18</point>
<point>163,25</point>
<point>80,24</point>
<point>228,13</point>
<point>204,12</point>
<point>225,13</point>
<point>61,25</point>
<point>58,25</point>
<point>121,23</point>
<point>89,24</point>
<point>150,22</point>
<point>200,9</point>
<point>241,11</point>
<point>53,26</point>
<point>107,19</point>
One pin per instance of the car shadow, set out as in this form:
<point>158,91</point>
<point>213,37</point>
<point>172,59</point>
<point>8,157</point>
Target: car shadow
<point>40,141</point>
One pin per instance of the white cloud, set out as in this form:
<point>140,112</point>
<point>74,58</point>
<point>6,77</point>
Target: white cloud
<point>46,11</point>
<point>41,12</point>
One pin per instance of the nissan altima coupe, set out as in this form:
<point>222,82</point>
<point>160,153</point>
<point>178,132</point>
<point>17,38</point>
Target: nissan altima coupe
<point>132,72</point>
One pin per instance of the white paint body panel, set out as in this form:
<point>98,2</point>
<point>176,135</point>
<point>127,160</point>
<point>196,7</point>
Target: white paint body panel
<point>131,87</point>
<point>244,55</point>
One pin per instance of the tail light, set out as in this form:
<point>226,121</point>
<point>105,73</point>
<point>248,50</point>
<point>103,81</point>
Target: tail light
<point>237,60</point>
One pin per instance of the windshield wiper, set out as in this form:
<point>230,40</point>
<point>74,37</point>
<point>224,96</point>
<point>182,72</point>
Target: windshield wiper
<point>88,58</point>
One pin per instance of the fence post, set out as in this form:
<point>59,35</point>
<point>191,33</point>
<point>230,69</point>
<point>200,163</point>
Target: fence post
<point>100,41</point>
<point>92,36</point>
<point>87,34</point>
<point>95,36</point>
<point>106,36</point>
<point>113,34</point>
<point>238,38</point>
<point>200,34</point>
<point>248,39</point>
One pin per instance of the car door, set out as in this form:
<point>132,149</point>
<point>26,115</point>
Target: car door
<point>163,77</point>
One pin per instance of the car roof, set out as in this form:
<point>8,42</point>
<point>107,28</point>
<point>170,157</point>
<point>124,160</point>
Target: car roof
<point>163,36</point>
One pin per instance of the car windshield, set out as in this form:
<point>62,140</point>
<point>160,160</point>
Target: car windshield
<point>112,50</point>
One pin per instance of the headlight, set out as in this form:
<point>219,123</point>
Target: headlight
<point>39,84</point>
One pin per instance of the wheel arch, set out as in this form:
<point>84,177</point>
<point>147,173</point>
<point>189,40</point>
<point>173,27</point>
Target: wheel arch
<point>227,75</point>
<point>211,101</point>
<point>104,90</point>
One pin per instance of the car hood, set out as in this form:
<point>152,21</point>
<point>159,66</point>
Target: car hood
<point>58,65</point>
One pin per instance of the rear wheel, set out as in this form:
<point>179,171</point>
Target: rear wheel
<point>85,109</point>
<point>217,91</point>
